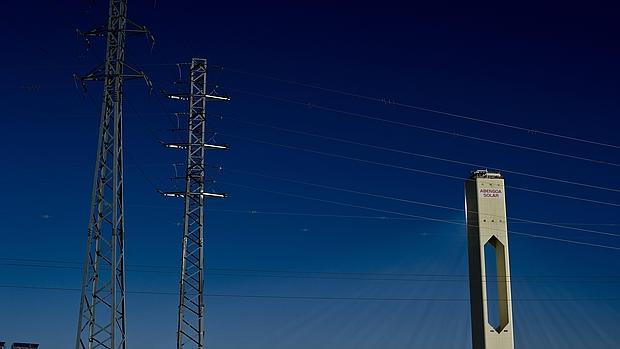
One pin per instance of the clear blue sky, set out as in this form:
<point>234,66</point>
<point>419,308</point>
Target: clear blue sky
<point>545,67</point>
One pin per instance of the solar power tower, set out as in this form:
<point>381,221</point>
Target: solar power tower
<point>101,322</point>
<point>191,315</point>
<point>489,269</point>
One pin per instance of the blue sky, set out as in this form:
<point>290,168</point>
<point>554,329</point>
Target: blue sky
<point>549,67</point>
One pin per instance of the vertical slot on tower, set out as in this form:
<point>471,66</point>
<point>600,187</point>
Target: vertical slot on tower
<point>496,284</point>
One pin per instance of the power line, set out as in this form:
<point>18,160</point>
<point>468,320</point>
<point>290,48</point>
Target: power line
<point>512,231</point>
<point>428,218</point>
<point>405,275</point>
<point>329,215</point>
<point>426,156</point>
<point>424,109</point>
<point>555,225</point>
<point>293,297</point>
<point>389,101</point>
<point>364,217</point>
<point>410,169</point>
<point>416,216</point>
<point>416,202</point>
<point>214,272</point>
<point>341,140</point>
<point>428,172</point>
<point>424,128</point>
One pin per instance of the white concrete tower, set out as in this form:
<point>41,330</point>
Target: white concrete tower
<point>489,269</point>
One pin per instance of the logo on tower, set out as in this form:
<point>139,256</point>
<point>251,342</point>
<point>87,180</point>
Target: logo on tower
<point>490,193</point>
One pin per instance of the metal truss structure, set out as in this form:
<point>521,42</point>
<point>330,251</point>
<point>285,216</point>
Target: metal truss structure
<point>101,322</point>
<point>191,316</point>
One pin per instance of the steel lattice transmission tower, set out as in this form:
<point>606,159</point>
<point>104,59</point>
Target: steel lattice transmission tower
<point>101,322</point>
<point>191,317</point>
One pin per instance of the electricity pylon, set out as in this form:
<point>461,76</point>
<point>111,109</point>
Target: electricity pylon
<point>191,316</point>
<point>101,322</point>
